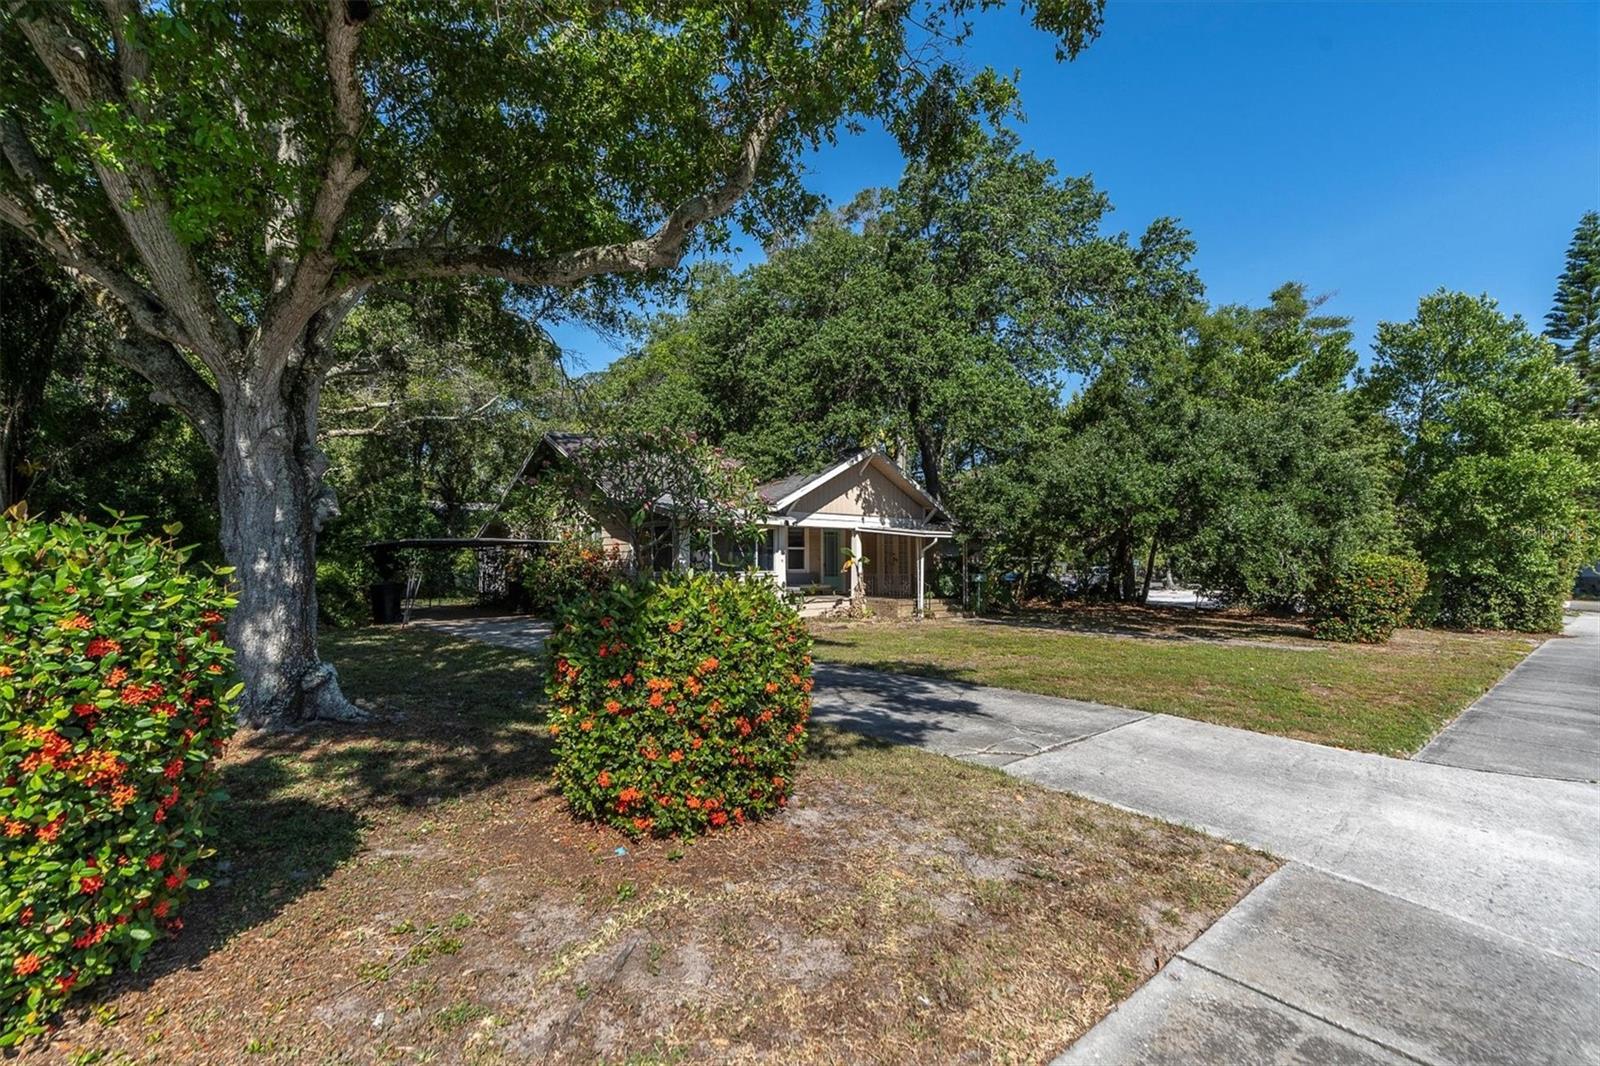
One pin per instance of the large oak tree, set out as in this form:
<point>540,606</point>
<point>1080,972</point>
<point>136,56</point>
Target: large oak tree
<point>226,180</point>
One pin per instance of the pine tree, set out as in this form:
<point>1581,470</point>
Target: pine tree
<point>1574,320</point>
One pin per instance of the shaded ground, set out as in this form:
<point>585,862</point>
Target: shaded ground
<point>1263,674</point>
<point>411,890</point>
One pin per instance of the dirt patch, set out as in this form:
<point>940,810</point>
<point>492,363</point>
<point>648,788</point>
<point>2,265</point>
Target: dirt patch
<point>414,891</point>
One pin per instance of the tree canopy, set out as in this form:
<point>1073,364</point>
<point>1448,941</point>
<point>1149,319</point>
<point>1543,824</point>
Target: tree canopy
<point>1574,318</point>
<point>226,181</point>
<point>1498,483</point>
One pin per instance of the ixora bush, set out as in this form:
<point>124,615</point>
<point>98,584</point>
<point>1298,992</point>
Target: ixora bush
<point>1367,597</point>
<point>566,572</point>
<point>116,697</point>
<point>679,705</point>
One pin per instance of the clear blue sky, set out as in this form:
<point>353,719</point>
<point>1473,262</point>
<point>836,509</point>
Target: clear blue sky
<point>1375,151</point>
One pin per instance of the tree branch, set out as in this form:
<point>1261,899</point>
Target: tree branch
<point>291,306</point>
<point>80,75</point>
<point>54,233</point>
<point>382,424</point>
<point>176,383</point>
<point>662,249</point>
<point>133,64</point>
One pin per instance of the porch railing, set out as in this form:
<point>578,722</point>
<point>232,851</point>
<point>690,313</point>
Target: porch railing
<point>895,585</point>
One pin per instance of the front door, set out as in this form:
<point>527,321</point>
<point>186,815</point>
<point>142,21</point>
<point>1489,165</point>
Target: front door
<point>830,559</point>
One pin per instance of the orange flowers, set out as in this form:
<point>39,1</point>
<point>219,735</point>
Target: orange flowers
<point>92,884</point>
<point>708,664</point>
<point>604,779</point>
<point>771,688</point>
<point>76,622</point>
<point>613,707</point>
<point>586,725</point>
<point>656,699</point>
<point>100,646</point>
<point>675,756</point>
<point>136,695</point>
<point>26,964</point>
<point>6,670</point>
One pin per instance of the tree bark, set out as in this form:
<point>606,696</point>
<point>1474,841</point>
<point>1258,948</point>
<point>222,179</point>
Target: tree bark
<point>1149,568</point>
<point>273,502</point>
<point>1122,567</point>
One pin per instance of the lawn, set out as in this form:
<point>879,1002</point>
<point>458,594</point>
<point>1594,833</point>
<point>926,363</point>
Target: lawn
<point>411,890</point>
<point>1254,673</point>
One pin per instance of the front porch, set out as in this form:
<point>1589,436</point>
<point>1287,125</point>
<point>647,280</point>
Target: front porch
<point>840,564</point>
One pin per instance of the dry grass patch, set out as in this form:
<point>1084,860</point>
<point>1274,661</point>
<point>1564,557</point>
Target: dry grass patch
<point>1264,674</point>
<point>412,890</point>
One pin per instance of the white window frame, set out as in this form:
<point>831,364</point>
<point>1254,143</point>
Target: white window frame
<point>790,547</point>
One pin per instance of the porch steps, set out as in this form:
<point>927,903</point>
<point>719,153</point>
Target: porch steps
<point>877,607</point>
<point>825,607</point>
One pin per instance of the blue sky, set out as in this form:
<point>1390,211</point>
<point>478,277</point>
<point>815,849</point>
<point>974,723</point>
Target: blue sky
<point>1375,151</point>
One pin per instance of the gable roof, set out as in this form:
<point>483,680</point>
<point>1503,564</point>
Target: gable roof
<point>778,494</point>
<point>785,492</point>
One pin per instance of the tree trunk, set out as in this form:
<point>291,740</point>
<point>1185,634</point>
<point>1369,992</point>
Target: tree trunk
<point>1122,567</point>
<point>272,502</point>
<point>1149,568</point>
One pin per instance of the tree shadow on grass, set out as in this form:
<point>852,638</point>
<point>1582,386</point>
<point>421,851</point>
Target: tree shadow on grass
<point>271,848</point>
<point>450,718</point>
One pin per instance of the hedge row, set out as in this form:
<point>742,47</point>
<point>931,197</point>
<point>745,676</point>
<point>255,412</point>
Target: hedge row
<point>117,699</point>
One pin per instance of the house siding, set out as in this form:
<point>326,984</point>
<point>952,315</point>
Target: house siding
<point>873,494</point>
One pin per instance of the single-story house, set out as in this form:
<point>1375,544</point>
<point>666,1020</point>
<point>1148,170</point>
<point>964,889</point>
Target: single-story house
<point>862,507</point>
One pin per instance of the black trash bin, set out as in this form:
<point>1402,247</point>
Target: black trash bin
<point>386,597</point>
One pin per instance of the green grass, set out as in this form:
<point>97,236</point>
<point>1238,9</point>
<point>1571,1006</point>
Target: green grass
<point>1389,699</point>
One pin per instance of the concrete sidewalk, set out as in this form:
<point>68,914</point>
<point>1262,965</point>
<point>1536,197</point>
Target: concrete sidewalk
<point>1428,913</point>
<point>1541,720</point>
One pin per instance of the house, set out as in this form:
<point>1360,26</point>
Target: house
<point>859,529</point>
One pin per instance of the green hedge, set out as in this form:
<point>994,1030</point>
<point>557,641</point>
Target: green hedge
<point>679,705</point>
<point>1367,598</point>
<point>117,696</point>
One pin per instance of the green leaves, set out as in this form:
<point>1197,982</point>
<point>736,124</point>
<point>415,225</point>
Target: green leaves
<point>1499,486</point>
<point>679,705</point>
<point>117,699</point>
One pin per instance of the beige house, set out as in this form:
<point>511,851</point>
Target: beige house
<point>863,507</point>
<point>859,529</point>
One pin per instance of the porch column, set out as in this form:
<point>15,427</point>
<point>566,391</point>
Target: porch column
<point>922,551</point>
<point>682,557</point>
<point>779,535</point>
<point>857,588</point>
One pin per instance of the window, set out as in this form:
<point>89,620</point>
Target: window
<point>797,548</point>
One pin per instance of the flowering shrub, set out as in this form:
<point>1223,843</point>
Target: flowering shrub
<point>115,700</point>
<point>1367,597</point>
<point>565,572</point>
<point>679,705</point>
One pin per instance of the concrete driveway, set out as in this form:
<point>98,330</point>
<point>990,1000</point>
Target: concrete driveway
<point>1428,912</point>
